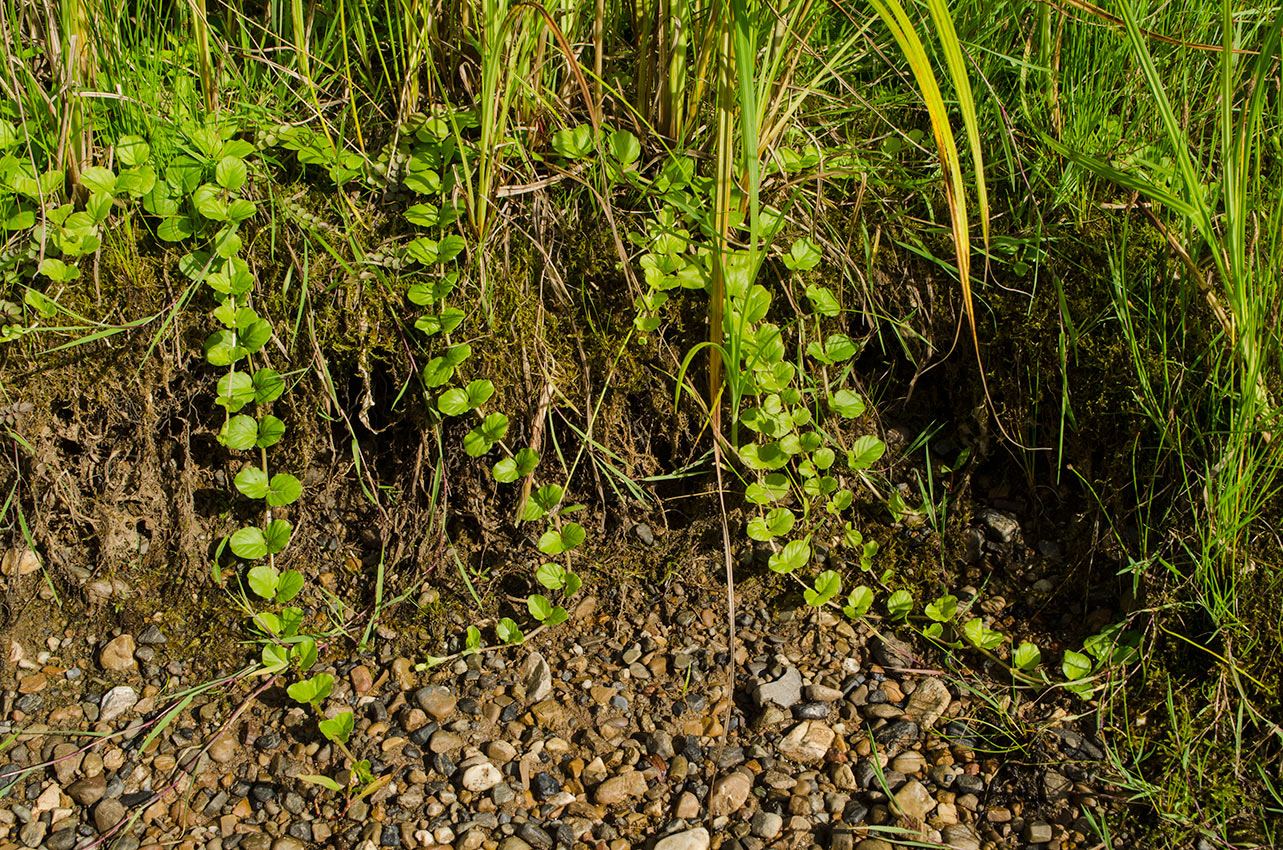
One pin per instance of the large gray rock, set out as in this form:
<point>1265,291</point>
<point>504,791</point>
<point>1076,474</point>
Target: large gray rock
<point>785,691</point>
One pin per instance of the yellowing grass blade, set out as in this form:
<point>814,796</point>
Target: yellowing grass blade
<point>894,16</point>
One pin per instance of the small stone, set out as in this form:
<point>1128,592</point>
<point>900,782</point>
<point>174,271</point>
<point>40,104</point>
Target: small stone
<point>960,836</point>
<point>116,702</point>
<point>873,844</point>
<point>444,742</point>
<point>687,806</point>
<point>512,842</point>
<point>118,654</point>
<point>822,693</point>
<point>620,788</point>
<point>1037,832</point>
<point>403,673</point>
<point>67,760</point>
<point>808,742</point>
<point>437,701</point>
<point>729,794</point>
<point>481,777</point>
<point>785,691</point>
<point>223,749</point>
<point>890,651</point>
<point>811,711</point>
<point>288,842</point>
<point>362,680</point>
<point>894,737</point>
<point>915,801</point>
<point>691,839</point>
<point>33,834</point>
<point>152,636</point>
<point>63,839</point>
<point>1055,785</point>
<point>549,713</point>
<point>644,534</point>
<point>1001,525</point>
<point>928,702</point>
<point>537,677</point>
<point>108,813</point>
<point>545,786</point>
<point>909,762</point>
<point>19,562</point>
<point>767,825</point>
<point>32,684</point>
<point>501,752</point>
<point>88,791</point>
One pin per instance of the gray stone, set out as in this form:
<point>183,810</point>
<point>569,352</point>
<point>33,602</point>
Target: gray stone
<point>691,839</point>
<point>767,825</point>
<point>1001,525</point>
<point>890,651</point>
<point>928,702</point>
<point>536,676</point>
<point>1055,785</point>
<point>116,702</point>
<point>63,839</point>
<point>895,737</point>
<point>785,691</point>
<point>33,833</point>
<point>152,636</point>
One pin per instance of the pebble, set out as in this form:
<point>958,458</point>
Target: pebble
<point>1002,526</point>
<point>691,839</point>
<point>807,742</point>
<point>537,677</point>
<point>928,702</point>
<point>729,794</point>
<point>19,562</point>
<point>767,825</point>
<point>108,813</point>
<point>914,800</point>
<point>118,654</point>
<point>116,702</point>
<point>152,636</point>
<point>960,837</point>
<point>481,777</point>
<point>620,788</point>
<point>890,651</point>
<point>1037,832</point>
<point>436,701</point>
<point>785,692</point>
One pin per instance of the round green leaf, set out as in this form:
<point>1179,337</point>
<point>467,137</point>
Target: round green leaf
<point>239,433</point>
<point>263,580</point>
<point>248,543</point>
<point>252,482</point>
<point>283,490</point>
